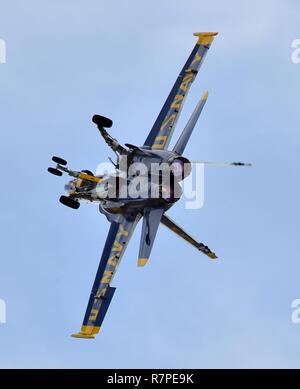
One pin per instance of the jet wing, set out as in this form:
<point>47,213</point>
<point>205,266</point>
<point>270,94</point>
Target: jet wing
<point>162,130</point>
<point>102,293</point>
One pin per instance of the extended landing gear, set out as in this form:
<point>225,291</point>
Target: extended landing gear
<point>83,183</point>
<point>69,202</point>
<point>59,160</point>
<point>54,171</point>
<point>102,121</point>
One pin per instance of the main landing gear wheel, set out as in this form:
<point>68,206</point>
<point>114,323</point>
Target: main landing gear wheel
<point>69,202</point>
<point>59,160</point>
<point>56,172</point>
<point>102,121</point>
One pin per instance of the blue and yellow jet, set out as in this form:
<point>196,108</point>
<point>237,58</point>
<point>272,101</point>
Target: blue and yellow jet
<point>124,212</point>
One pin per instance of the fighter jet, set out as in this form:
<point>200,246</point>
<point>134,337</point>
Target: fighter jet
<point>129,195</point>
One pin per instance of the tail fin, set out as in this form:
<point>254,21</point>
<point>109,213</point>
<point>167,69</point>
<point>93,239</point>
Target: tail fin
<point>151,220</point>
<point>187,131</point>
<point>166,221</point>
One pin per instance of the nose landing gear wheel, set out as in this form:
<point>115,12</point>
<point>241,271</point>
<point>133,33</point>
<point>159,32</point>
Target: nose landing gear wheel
<point>69,202</point>
<point>56,172</point>
<point>59,160</point>
<point>102,121</point>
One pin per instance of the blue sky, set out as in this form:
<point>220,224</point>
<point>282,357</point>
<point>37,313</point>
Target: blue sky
<point>68,60</point>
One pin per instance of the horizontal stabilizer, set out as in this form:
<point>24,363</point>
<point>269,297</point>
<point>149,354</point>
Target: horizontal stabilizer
<point>166,221</point>
<point>151,221</point>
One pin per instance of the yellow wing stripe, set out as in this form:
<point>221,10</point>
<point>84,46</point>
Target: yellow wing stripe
<point>204,96</point>
<point>159,142</point>
<point>142,261</point>
<point>205,38</point>
<point>87,332</point>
